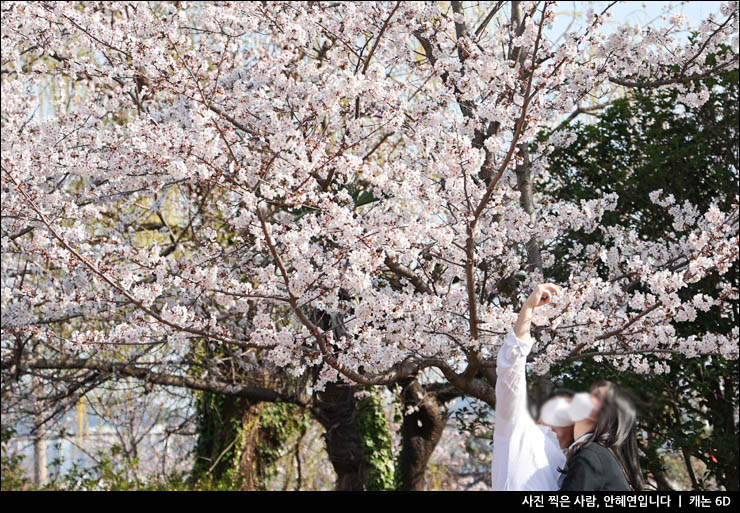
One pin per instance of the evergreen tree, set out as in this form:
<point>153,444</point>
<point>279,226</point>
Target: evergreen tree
<point>639,144</point>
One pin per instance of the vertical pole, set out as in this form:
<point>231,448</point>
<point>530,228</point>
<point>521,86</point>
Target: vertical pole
<point>40,477</point>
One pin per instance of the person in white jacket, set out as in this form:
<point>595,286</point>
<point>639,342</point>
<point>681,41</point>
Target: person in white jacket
<point>527,454</point>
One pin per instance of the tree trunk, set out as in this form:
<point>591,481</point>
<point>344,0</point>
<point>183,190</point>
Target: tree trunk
<point>526,200</point>
<point>661,480</point>
<point>539,388</point>
<point>420,432</point>
<point>229,432</point>
<point>655,465</point>
<point>334,408</point>
<point>721,403</point>
<point>250,468</point>
<point>689,468</point>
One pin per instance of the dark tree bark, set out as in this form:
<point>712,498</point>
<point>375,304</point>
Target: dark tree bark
<point>420,432</point>
<point>334,408</point>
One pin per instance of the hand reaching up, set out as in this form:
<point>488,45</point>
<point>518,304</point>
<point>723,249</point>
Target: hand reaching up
<point>542,294</point>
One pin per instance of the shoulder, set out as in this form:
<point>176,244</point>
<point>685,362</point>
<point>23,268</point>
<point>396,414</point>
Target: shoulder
<point>600,456</point>
<point>591,450</point>
<point>593,453</point>
<point>588,457</point>
<point>613,475</point>
<point>596,448</point>
<point>585,470</point>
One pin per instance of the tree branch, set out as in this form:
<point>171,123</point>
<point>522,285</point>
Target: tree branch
<point>126,369</point>
<point>676,80</point>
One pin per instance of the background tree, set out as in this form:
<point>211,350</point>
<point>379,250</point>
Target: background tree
<point>688,405</point>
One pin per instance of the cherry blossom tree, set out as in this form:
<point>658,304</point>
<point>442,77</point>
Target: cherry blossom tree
<point>342,192</point>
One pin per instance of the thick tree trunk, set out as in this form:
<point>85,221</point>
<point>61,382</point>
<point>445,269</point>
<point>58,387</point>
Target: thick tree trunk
<point>229,429</point>
<point>420,432</point>
<point>540,387</point>
<point>334,408</point>
<point>721,403</point>
<point>250,469</point>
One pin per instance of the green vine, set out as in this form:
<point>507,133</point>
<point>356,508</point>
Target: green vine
<point>279,422</point>
<point>377,444</point>
<point>218,448</point>
<point>222,441</point>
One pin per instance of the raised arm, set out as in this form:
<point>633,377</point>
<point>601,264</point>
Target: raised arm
<point>511,382</point>
<point>541,295</point>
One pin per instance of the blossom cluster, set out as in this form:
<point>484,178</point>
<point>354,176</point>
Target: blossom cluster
<point>237,170</point>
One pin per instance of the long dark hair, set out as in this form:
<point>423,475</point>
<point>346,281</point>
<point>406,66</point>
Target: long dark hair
<point>616,430</point>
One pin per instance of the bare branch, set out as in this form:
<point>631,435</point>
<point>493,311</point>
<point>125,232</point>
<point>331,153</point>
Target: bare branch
<point>144,374</point>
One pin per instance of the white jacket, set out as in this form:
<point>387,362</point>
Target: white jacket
<point>526,456</point>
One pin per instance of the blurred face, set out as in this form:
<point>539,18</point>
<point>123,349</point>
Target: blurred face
<point>597,398</point>
<point>554,412</point>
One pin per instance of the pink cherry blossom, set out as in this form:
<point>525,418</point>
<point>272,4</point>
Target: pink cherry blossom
<point>229,172</point>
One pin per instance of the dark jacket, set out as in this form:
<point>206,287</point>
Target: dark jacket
<point>594,468</point>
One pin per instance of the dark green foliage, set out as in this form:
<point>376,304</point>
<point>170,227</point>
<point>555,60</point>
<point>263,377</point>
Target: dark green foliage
<point>640,144</point>
<point>691,155</point>
<point>216,449</point>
